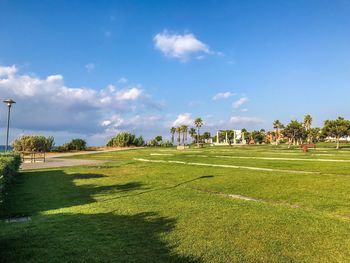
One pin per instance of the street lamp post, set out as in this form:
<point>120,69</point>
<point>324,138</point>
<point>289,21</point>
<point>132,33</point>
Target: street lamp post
<point>9,103</point>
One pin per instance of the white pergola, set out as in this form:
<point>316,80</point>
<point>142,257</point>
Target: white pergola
<point>237,135</point>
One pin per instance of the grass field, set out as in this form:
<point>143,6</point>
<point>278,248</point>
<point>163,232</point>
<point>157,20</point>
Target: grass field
<point>217,204</point>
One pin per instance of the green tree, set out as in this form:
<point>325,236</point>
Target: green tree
<point>158,139</point>
<point>206,136</point>
<point>172,131</point>
<point>314,134</point>
<point>123,139</point>
<point>198,123</point>
<point>258,136</point>
<point>139,141</point>
<point>307,121</point>
<point>336,128</point>
<point>77,145</point>
<point>178,130</point>
<point>294,131</point>
<point>184,130</point>
<point>193,134</point>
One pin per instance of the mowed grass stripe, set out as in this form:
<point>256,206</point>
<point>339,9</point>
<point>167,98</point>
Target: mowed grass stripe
<point>224,166</point>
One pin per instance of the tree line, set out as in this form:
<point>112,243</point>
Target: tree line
<point>293,133</point>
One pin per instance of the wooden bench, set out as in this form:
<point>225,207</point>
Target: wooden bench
<point>33,157</point>
<point>305,147</point>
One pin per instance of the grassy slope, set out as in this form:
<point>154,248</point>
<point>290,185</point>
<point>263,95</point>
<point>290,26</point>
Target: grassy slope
<point>130,211</point>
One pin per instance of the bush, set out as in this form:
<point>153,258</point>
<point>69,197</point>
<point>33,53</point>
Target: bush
<point>166,144</point>
<point>139,141</point>
<point>125,139</point>
<point>34,143</point>
<point>9,166</point>
<point>73,145</point>
<point>152,143</point>
<point>77,145</point>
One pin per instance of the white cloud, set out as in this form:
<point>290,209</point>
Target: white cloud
<point>244,110</point>
<point>179,46</point>
<point>129,94</point>
<point>183,119</point>
<point>239,120</point>
<point>9,71</point>
<point>237,104</point>
<point>90,67</point>
<point>223,95</point>
<point>47,104</point>
<point>123,80</point>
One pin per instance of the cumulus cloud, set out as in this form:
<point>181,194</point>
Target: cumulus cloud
<point>238,103</point>
<point>179,46</point>
<point>9,71</point>
<point>242,121</point>
<point>47,104</point>
<point>183,119</point>
<point>223,95</point>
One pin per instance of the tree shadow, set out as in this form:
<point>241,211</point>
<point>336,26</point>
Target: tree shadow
<point>102,237</point>
<point>160,188</point>
<point>38,191</point>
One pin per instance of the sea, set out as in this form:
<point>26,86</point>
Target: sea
<point>2,148</point>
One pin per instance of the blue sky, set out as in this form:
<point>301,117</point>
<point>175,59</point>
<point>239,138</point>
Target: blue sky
<point>93,68</point>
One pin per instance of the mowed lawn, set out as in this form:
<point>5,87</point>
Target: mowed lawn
<point>217,204</point>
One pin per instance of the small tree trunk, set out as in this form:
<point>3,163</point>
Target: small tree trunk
<point>337,140</point>
<point>198,137</point>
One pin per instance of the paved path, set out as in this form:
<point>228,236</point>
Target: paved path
<point>58,160</point>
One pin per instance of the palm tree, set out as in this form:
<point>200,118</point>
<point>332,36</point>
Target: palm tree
<point>178,130</point>
<point>192,133</point>
<point>198,122</point>
<point>307,121</point>
<point>277,125</point>
<point>172,131</point>
<point>184,129</point>
<point>307,125</point>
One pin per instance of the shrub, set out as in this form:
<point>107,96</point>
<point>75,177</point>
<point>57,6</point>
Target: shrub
<point>34,143</point>
<point>9,166</point>
<point>152,143</point>
<point>125,139</point>
<point>139,141</point>
<point>77,145</point>
<point>73,145</point>
<point>166,144</point>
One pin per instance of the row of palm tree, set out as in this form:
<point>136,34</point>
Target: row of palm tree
<point>184,130</point>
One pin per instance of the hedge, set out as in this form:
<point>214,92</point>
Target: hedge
<point>9,166</point>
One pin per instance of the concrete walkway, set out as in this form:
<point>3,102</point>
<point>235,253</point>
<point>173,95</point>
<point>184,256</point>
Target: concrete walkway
<point>57,160</point>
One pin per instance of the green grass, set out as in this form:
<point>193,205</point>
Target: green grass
<point>132,211</point>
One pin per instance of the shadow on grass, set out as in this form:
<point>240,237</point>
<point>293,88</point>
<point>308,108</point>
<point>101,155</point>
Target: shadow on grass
<point>104,237</point>
<point>160,188</point>
<point>69,237</point>
<point>39,191</point>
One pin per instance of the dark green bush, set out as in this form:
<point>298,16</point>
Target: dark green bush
<point>73,145</point>
<point>34,143</point>
<point>9,166</point>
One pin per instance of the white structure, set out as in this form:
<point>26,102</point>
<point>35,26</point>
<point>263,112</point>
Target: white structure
<point>238,138</point>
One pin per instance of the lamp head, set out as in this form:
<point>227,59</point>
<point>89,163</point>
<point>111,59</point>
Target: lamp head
<point>9,102</point>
